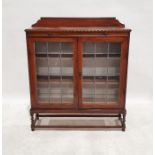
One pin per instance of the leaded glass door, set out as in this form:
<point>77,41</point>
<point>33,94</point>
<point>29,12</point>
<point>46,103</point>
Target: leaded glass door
<point>55,75</point>
<point>100,72</point>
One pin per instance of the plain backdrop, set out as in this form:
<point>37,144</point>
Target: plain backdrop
<point>21,14</point>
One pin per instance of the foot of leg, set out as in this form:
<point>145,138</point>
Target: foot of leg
<point>124,121</point>
<point>32,128</point>
<point>32,121</point>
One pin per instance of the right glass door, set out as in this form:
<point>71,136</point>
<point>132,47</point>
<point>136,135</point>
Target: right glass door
<point>100,73</point>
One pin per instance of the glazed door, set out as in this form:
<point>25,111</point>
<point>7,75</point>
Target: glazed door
<point>101,80</point>
<point>54,83</point>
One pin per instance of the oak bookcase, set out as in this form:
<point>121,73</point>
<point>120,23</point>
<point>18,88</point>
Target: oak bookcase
<point>77,68</point>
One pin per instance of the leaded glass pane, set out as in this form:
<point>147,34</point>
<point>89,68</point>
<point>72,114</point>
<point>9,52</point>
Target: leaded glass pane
<point>101,70</point>
<point>54,67</point>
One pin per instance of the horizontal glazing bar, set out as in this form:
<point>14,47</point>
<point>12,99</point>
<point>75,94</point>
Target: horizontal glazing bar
<point>102,77</point>
<point>54,55</point>
<point>100,55</point>
<point>54,77</point>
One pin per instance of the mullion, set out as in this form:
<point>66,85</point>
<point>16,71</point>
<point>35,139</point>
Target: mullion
<point>48,73</point>
<point>107,73</point>
<point>60,51</point>
<point>95,72</point>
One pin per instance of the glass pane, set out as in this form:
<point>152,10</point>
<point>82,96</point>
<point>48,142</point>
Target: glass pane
<point>42,66</point>
<point>43,91</point>
<point>67,47</point>
<point>91,47</point>
<point>114,48</point>
<point>67,80</point>
<point>88,91</point>
<point>88,66</point>
<point>54,67</point>
<point>54,47</point>
<point>67,91</point>
<point>113,66</point>
<point>67,66</point>
<point>101,69</point>
<point>40,47</point>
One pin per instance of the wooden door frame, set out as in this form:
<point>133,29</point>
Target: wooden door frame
<point>33,79</point>
<point>123,70</point>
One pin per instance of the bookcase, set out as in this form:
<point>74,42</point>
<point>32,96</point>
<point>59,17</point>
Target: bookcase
<point>77,68</point>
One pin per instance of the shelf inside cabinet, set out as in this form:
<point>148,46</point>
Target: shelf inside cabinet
<point>42,54</point>
<point>46,77</point>
<point>102,77</point>
<point>101,55</point>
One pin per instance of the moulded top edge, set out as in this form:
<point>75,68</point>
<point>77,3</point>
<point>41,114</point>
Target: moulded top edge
<point>77,29</point>
<point>78,22</point>
<point>77,17</point>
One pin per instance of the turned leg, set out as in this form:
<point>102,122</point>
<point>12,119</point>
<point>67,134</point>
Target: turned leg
<point>124,120</point>
<point>37,116</point>
<point>32,121</point>
<point>119,117</point>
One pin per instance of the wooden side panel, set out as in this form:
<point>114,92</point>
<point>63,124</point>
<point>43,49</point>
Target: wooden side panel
<point>32,72</point>
<point>123,70</point>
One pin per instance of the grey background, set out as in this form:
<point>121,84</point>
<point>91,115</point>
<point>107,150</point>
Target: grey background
<point>18,15</point>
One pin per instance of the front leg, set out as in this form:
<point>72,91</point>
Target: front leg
<point>32,121</point>
<point>124,121</point>
<point>120,117</point>
<point>37,116</point>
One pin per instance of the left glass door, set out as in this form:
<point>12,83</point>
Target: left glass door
<point>55,74</point>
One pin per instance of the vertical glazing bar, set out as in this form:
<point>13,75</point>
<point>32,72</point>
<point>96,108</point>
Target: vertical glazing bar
<point>95,72</point>
<point>48,72</point>
<point>107,74</point>
<point>60,52</point>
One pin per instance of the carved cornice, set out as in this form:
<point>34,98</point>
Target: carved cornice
<point>50,22</point>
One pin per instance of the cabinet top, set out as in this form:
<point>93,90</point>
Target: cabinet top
<point>76,24</point>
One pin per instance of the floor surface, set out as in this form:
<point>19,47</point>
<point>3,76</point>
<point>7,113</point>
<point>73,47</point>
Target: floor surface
<point>18,139</point>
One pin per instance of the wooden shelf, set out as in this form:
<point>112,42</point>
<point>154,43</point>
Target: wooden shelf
<point>53,77</point>
<point>84,77</point>
<point>87,81</point>
<point>101,55</point>
<point>41,54</point>
<point>102,77</point>
<point>102,81</point>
